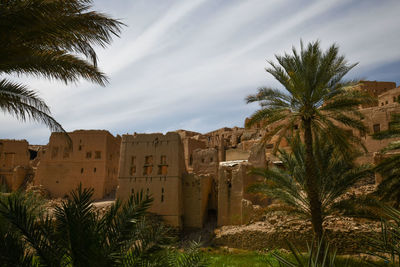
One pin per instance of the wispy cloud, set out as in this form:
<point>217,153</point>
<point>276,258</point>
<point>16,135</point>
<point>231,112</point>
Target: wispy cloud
<point>189,64</point>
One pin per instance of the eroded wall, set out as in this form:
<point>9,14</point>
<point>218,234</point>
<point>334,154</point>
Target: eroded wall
<point>14,162</point>
<point>233,208</point>
<point>196,196</point>
<point>155,165</point>
<point>190,145</point>
<point>91,159</point>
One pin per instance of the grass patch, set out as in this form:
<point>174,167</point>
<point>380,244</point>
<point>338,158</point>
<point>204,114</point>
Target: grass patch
<point>219,257</point>
<point>225,258</point>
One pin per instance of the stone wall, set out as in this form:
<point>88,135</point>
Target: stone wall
<point>347,235</point>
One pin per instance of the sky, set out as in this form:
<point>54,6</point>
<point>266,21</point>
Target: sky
<point>189,64</point>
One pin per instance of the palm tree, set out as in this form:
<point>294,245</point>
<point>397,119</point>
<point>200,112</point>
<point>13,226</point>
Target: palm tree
<point>50,39</point>
<point>77,235</point>
<point>335,176</point>
<point>316,101</point>
<point>389,167</point>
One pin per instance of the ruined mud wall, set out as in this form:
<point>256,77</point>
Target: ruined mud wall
<point>14,163</point>
<point>154,164</point>
<point>196,195</point>
<point>91,159</point>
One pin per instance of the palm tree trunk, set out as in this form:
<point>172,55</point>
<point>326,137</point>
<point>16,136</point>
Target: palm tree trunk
<point>311,182</point>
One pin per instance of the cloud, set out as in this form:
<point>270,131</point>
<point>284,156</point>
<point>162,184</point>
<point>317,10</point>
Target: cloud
<point>189,64</point>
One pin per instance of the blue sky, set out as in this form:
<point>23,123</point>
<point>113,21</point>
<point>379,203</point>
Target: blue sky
<point>189,64</point>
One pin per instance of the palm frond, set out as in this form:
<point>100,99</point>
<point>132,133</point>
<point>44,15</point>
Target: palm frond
<point>24,104</point>
<point>335,175</point>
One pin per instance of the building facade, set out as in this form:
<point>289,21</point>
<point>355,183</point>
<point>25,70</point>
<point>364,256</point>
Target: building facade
<point>91,160</point>
<point>14,163</point>
<point>155,165</point>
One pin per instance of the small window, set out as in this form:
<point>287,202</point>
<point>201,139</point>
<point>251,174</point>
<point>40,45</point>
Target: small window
<point>97,154</point>
<point>80,148</point>
<point>190,160</point>
<point>132,191</point>
<point>387,102</point>
<point>148,160</point>
<point>377,128</point>
<point>211,159</point>
<point>269,146</point>
<point>163,160</point>
<point>162,194</point>
<point>133,160</point>
<point>81,170</point>
<point>94,170</point>
<point>295,127</point>
<point>88,155</point>
<point>202,160</point>
<point>147,170</point>
<point>147,191</point>
<point>382,104</point>
<point>162,169</point>
<point>133,170</point>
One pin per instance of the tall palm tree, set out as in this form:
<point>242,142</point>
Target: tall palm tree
<point>335,176</point>
<point>316,101</point>
<point>51,39</point>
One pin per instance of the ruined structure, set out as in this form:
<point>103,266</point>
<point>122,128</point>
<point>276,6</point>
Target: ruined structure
<point>192,177</point>
<point>14,163</point>
<point>91,159</point>
<point>155,165</point>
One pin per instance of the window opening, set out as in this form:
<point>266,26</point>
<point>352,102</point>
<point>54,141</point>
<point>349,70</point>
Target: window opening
<point>133,170</point>
<point>148,165</point>
<point>377,128</point>
<point>147,170</point>
<point>148,160</point>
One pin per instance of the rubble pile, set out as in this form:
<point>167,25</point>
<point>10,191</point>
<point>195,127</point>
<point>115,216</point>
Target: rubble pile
<point>347,235</point>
